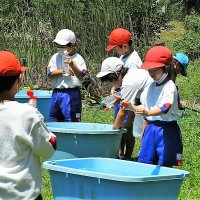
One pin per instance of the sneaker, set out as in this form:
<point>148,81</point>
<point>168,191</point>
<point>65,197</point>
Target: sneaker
<point>128,158</point>
<point>120,157</point>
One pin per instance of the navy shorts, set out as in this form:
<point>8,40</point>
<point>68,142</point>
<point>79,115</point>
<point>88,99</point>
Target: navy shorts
<point>161,144</point>
<point>116,110</point>
<point>65,105</point>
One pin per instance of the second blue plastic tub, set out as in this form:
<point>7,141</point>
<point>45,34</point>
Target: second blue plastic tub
<point>76,139</point>
<point>112,179</point>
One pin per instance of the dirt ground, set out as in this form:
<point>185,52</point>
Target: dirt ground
<point>191,105</point>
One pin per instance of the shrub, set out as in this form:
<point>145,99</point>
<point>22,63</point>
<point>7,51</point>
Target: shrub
<point>190,43</point>
<point>192,22</point>
<point>189,86</point>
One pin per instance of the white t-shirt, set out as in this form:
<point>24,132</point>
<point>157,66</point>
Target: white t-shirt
<point>156,96</point>
<point>132,61</point>
<point>24,138</point>
<point>133,84</point>
<point>55,63</point>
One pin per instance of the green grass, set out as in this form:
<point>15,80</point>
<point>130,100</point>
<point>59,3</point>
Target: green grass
<point>190,126</point>
<point>174,32</point>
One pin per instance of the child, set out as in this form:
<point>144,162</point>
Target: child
<point>180,64</point>
<point>162,141</point>
<point>24,137</point>
<point>132,82</point>
<point>120,41</point>
<point>66,98</point>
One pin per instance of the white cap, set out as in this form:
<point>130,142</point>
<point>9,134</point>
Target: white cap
<point>64,37</point>
<point>110,65</point>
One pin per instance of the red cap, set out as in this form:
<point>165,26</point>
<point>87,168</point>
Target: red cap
<point>158,56</point>
<point>9,64</point>
<point>118,37</point>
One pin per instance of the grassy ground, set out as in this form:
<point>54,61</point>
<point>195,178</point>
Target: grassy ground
<point>174,32</point>
<point>190,126</point>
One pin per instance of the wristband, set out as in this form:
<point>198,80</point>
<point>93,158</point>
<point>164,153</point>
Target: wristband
<point>83,72</point>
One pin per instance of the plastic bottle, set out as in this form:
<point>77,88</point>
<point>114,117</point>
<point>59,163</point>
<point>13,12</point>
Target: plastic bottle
<point>65,66</point>
<point>137,123</point>
<point>137,126</point>
<point>33,101</point>
<point>32,98</point>
<point>108,102</point>
<point>30,93</point>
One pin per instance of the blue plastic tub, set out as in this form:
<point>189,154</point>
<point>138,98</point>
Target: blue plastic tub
<point>75,139</point>
<point>43,100</point>
<point>112,179</point>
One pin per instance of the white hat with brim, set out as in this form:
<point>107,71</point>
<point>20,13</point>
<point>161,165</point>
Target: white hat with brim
<point>110,65</point>
<point>64,37</point>
<point>101,74</point>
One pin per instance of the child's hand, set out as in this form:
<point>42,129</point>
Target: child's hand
<point>69,61</point>
<point>117,98</point>
<point>139,110</point>
<point>126,104</point>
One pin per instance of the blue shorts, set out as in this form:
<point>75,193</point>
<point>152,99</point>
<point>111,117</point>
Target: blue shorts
<point>161,144</point>
<point>65,105</point>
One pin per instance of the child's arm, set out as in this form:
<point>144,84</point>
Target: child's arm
<point>140,110</point>
<point>153,112</point>
<point>120,118</point>
<point>143,111</point>
<point>116,85</point>
<point>55,73</point>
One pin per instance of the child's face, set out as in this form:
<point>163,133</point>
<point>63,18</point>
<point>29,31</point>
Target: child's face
<point>177,67</point>
<point>156,73</point>
<point>70,48</point>
<point>117,83</point>
<point>121,50</point>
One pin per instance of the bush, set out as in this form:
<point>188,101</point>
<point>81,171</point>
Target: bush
<point>192,22</point>
<point>189,86</point>
<point>190,43</point>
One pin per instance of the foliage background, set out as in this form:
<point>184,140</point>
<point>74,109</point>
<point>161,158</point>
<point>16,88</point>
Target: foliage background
<point>28,28</point>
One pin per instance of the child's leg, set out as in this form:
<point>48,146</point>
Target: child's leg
<point>161,144</point>
<point>71,105</point>
<point>169,145</point>
<point>130,143</point>
<point>130,139</point>
<point>122,146</point>
<point>55,114</point>
<point>123,140</point>
<point>147,152</point>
